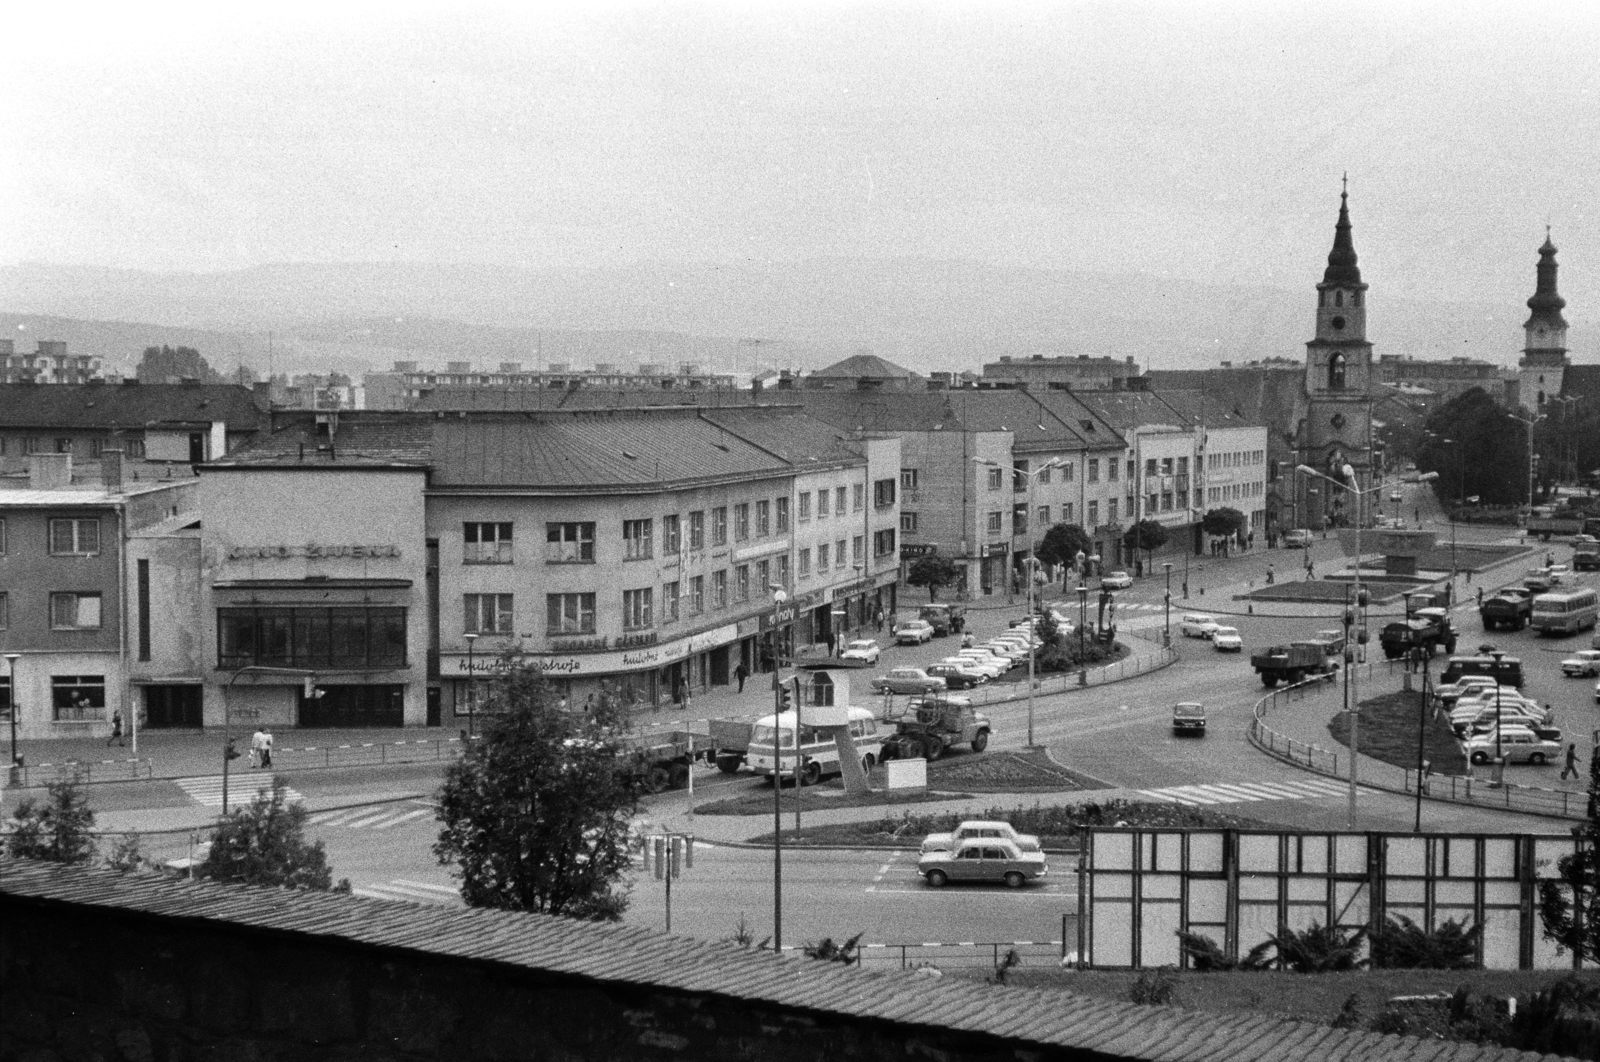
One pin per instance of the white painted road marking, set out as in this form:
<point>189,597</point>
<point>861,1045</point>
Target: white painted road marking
<point>1239,792</point>
<point>242,789</point>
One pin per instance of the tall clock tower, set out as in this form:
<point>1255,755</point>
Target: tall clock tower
<point>1544,350</point>
<point>1338,427</point>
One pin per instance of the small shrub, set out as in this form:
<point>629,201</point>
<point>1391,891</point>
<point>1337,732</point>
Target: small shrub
<point>59,830</point>
<point>1401,944</point>
<point>1319,949</point>
<point>1206,956</point>
<point>1154,987</point>
<point>126,856</point>
<point>826,950</point>
<point>1010,962</point>
<point>1350,1014</point>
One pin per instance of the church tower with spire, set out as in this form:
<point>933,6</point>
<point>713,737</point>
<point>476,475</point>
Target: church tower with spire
<point>1544,349</point>
<point>1337,430</point>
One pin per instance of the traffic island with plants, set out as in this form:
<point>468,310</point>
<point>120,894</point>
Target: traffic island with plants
<point>1389,726</point>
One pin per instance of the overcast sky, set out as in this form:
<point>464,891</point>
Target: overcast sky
<point>1201,139</point>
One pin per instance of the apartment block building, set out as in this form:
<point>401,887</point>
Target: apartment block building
<point>48,364</point>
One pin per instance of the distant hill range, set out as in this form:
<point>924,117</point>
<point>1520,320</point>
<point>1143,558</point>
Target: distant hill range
<point>925,315</point>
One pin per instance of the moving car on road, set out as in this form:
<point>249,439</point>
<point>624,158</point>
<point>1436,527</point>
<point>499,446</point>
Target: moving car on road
<point>986,860</point>
<point>1197,625</point>
<point>913,632</point>
<point>1189,718</point>
<point>1116,581</point>
<point>861,652</point>
<point>1583,662</point>
<point>907,680</point>
<point>1227,640</point>
<point>978,830</point>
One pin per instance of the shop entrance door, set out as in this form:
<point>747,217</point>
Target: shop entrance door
<point>354,706</point>
<point>172,707</point>
<point>717,666</point>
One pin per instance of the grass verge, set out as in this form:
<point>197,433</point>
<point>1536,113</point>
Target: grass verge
<point>1389,733</point>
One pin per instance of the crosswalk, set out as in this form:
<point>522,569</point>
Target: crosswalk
<point>382,817</point>
<point>1240,792</point>
<point>241,789</point>
<point>413,891</point>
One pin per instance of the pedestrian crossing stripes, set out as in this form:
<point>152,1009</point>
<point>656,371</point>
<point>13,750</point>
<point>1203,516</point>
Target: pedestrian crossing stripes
<point>1240,792</point>
<point>373,818</point>
<point>413,891</point>
<point>241,789</point>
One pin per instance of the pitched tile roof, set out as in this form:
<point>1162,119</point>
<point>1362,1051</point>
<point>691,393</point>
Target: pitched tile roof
<point>1045,421</point>
<point>111,407</point>
<point>859,366</point>
<point>632,956</point>
<point>1133,409</point>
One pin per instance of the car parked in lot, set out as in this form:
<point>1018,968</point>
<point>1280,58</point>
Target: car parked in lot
<point>907,680</point>
<point>1011,652</point>
<point>982,661</point>
<point>1448,695</point>
<point>1189,718</point>
<point>1583,662</point>
<point>1197,625</point>
<point>1116,581</point>
<point>980,830</point>
<point>1297,538</point>
<point>913,632</point>
<point>957,676</point>
<point>1227,640</point>
<point>986,860</point>
<point>1516,744</point>
<point>861,652</point>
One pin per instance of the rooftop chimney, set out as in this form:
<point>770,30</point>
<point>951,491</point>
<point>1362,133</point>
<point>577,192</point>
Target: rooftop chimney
<point>49,471</point>
<point>111,469</point>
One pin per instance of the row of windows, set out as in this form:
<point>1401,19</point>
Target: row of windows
<point>1234,491</point>
<point>73,698</point>
<point>573,543</point>
<point>70,610</point>
<point>1165,501</point>
<point>1043,513</point>
<point>65,536</point>
<point>823,506</point>
<point>65,444</point>
<point>1236,459</point>
<point>1166,466</point>
<point>313,638</point>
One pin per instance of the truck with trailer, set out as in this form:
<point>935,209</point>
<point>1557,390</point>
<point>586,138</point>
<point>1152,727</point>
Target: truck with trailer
<point>1565,521</point>
<point>663,761</point>
<point>1294,662</point>
<point>927,726</point>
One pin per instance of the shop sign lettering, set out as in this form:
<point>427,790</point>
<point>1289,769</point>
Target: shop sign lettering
<point>311,550</point>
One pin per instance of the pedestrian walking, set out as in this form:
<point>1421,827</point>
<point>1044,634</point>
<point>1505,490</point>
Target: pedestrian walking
<point>1272,575</point>
<point>1480,597</point>
<point>878,617</point>
<point>116,727</point>
<point>266,748</point>
<point>258,746</point>
<point>1572,761</point>
<point>1418,515</point>
<point>832,641</point>
<point>681,694</point>
<point>741,673</point>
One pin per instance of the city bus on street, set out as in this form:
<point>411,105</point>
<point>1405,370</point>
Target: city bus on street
<point>819,753</point>
<point>1566,612</point>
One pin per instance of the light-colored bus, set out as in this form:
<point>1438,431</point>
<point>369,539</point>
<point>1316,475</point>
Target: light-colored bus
<point>1566,612</point>
<point>819,754</point>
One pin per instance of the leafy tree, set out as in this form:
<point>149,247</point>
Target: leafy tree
<point>1062,544</point>
<point>59,830</point>
<point>535,812</point>
<point>1219,523</point>
<point>1487,454</point>
<point>163,363</point>
<point>264,844</point>
<point>1577,885</point>
<point>1147,535</point>
<point>933,572</point>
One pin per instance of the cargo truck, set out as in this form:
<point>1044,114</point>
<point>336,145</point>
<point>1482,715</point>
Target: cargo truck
<point>1294,662</point>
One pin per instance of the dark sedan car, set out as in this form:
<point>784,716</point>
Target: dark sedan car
<point>954,677</point>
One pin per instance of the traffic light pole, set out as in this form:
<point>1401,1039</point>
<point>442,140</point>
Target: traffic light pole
<point>778,599</point>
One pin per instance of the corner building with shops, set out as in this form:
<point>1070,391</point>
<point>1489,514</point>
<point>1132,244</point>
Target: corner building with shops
<point>363,568</point>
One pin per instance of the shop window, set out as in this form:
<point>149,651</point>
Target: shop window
<point>638,539</point>
<point>490,613</point>
<point>78,697</point>
<point>569,614</point>
<point>75,537</point>
<point>569,543</point>
<point>637,614</point>
<point>72,611</point>
<point>486,543</point>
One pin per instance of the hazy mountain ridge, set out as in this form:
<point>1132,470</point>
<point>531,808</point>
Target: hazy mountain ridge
<point>923,314</point>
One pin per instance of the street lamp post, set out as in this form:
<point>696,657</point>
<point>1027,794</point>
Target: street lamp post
<point>1530,423</point>
<point>11,710</point>
<point>1497,654</point>
<point>1166,630</point>
<point>1423,656</point>
<point>779,597</point>
<point>1083,618</point>
<point>472,687</point>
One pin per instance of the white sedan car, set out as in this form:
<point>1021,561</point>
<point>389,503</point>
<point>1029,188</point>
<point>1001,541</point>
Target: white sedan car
<point>986,669</point>
<point>1584,662</point>
<point>861,652</point>
<point>913,632</point>
<point>1227,640</point>
<point>1116,581</point>
<point>1198,625</point>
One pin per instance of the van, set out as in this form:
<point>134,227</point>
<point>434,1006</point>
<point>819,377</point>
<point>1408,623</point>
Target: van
<point>1297,538</point>
<point>1507,670</point>
<point>944,619</point>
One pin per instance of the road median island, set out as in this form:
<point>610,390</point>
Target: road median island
<point>1389,733</point>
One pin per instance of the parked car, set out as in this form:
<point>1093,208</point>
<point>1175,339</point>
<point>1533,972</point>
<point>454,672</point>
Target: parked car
<point>1560,573</point>
<point>1516,744</point>
<point>979,830</point>
<point>863,652</point>
<point>1197,625</point>
<point>913,632</point>
<point>956,676</point>
<point>1189,718</point>
<point>1010,652</point>
<point>907,680</point>
<point>1583,662</point>
<point>1451,693</point>
<point>1227,640</point>
<point>985,860</point>
<point>1297,538</point>
<point>1116,581</point>
<point>983,662</point>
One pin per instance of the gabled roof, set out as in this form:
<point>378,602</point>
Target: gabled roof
<point>859,366</point>
<point>110,407</point>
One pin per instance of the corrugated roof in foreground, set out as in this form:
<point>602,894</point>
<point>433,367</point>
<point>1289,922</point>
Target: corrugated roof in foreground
<point>629,955</point>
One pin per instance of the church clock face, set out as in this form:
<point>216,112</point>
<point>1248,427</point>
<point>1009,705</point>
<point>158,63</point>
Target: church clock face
<point>1337,421</point>
<point>1338,324</point>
